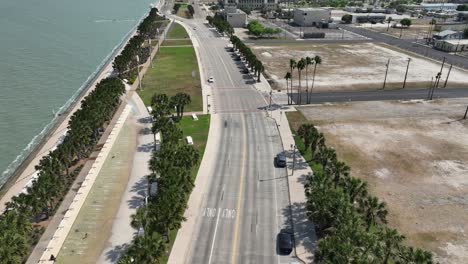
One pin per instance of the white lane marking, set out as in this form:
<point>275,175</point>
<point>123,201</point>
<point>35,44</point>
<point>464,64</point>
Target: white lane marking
<point>220,213</point>
<point>214,237</point>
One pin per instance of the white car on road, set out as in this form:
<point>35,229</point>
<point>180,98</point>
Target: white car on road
<point>211,79</point>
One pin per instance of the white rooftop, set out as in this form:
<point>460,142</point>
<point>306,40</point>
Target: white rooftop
<point>457,41</point>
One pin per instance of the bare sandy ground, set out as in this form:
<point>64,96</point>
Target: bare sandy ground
<point>354,66</point>
<point>414,156</point>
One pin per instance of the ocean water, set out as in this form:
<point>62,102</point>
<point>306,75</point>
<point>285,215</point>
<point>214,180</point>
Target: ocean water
<point>48,50</point>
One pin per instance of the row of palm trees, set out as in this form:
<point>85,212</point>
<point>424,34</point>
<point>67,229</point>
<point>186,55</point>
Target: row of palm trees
<point>300,65</point>
<point>127,61</point>
<point>349,222</point>
<point>56,172</point>
<point>171,168</point>
<point>255,64</point>
<point>221,24</point>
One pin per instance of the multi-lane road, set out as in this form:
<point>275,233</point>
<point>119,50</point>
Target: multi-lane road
<point>245,202</point>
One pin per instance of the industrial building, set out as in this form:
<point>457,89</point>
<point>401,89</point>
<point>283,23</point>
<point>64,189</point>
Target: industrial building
<point>439,7</point>
<point>307,17</point>
<point>452,45</point>
<point>269,4</point>
<point>235,17</point>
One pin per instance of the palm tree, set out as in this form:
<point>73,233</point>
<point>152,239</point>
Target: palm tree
<point>391,242</point>
<point>414,256</point>
<point>355,188</point>
<point>292,66</point>
<point>300,66</point>
<point>317,60</point>
<point>148,248</point>
<point>180,100</point>
<point>308,61</point>
<point>287,77</point>
<point>307,132</point>
<point>338,170</point>
<point>373,210</point>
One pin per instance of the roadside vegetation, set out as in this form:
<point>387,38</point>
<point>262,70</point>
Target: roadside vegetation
<point>135,52</point>
<point>349,222</point>
<point>21,223</point>
<point>221,25</point>
<point>177,31</point>
<point>173,169</point>
<point>254,64</point>
<point>27,214</point>
<point>259,31</point>
<point>300,65</point>
<point>175,71</point>
<point>184,10</point>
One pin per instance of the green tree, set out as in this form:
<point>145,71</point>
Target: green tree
<point>287,77</point>
<point>300,67</point>
<point>373,211</point>
<point>307,132</point>
<point>180,100</point>
<point>308,61</point>
<point>347,18</point>
<point>292,66</point>
<point>406,22</point>
<point>317,61</point>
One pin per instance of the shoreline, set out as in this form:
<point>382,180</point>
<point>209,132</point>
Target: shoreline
<point>24,171</point>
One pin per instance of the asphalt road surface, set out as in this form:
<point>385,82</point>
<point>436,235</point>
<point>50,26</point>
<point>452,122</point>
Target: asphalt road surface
<point>246,202</point>
<point>375,95</point>
<point>410,46</point>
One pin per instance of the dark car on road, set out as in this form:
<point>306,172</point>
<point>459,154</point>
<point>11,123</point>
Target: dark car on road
<point>280,160</point>
<point>285,243</point>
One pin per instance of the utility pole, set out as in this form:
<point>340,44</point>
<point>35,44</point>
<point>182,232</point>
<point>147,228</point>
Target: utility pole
<point>466,112</point>
<point>430,88</point>
<point>269,107</point>
<point>436,84</point>
<point>448,74</point>
<point>138,72</point>
<point>386,72</point>
<point>406,74</point>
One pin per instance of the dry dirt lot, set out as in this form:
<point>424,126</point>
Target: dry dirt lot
<point>354,66</point>
<point>414,156</point>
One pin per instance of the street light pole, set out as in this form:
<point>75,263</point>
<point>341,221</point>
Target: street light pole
<point>150,48</point>
<point>138,72</point>
<point>386,72</point>
<point>294,158</point>
<point>406,74</point>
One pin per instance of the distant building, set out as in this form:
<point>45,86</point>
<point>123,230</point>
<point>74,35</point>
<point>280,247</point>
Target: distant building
<point>453,45</point>
<point>235,17</point>
<point>448,34</point>
<point>455,26</point>
<point>269,4</point>
<point>307,17</point>
<point>368,18</point>
<point>440,7</point>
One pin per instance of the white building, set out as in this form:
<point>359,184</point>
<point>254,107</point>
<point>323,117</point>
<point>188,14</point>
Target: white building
<point>452,45</point>
<point>235,17</point>
<point>307,17</point>
<point>441,6</point>
<point>270,4</point>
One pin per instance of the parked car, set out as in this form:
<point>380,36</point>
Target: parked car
<point>285,243</point>
<point>280,160</point>
<point>211,79</point>
<point>245,70</point>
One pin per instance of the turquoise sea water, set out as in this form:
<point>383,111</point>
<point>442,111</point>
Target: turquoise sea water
<point>48,50</point>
